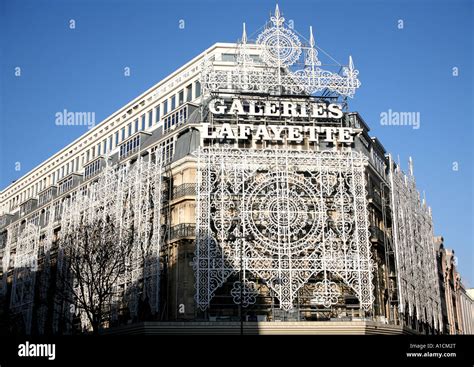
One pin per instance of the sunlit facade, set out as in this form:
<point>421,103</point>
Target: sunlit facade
<point>258,201</point>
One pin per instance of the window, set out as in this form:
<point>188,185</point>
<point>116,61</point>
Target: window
<point>57,210</point>
<point>130,129</point>
<point>189,92</point>
<point>91,169</point>
<point>104,145</point>
<point>77,163</point>
<point>46,196</point>
<point>116,138</point>
<point>197,88</point>
<point>142,125</point>
<point>168,149</point>
<point>157,114</point>
<point>150,118</point>
<point>123,134</point>
<point>181,98</point>
<point>87,156</point>
<point>165,107</point>
<point>173,103</point>
<point>98,149</point>
<point>130,147</point>
<point>110,143</point>
<point>176,118</point>
<point>228,57</point>
<point>136,126</point>
<point>66,185</point>
<point>256,58</point>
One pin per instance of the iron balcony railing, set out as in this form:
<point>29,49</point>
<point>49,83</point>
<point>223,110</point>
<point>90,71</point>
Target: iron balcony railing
<point>180,191</point>
<point>182,230</point>
<point>183,190</point>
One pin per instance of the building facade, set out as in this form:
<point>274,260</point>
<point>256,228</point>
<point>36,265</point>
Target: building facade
<point>245,190</point>
<point>457,302</point>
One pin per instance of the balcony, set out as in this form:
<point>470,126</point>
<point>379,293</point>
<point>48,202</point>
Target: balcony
<point>178,117</point>
<point>184,190</point>
<point>132,145</point>
<point>69,182</point>
<point>6,219</point>
<point>94,167</point>
<point>28,206</point>
<point>183,230</point>
<point>47,195</point>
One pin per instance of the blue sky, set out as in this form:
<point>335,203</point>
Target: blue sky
<point>406,70</point>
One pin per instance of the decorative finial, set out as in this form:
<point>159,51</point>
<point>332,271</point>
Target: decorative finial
<point>244,34</point>
<point>410,163</point>
<point>351,63</point>
<point>312,54</point>
<point>277,19</point>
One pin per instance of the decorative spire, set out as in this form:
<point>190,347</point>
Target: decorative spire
<point>312,55</point>
<point>410,164</point>
<point>311,38</point>
<point>351,63</point>
<point>277,19</point>
<point>243,57</point>
<point>244,34</point>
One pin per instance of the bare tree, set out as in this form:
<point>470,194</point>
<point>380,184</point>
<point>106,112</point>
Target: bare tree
<point>94,258</point>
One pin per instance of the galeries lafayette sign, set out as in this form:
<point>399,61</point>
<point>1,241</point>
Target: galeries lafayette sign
<point>275,108</point>
<point>286,109</point>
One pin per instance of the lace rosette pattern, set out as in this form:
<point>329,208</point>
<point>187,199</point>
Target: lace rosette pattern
<point>293,216</point>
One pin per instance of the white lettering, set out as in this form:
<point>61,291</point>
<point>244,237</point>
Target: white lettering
<point>205,131</point>
<point>217,110</point>
<point>294,133</point>
<point>244,131</point>
<point>335,111</point>
<point>262,133</point>
<point>287,108</point>
<point>277,130</point>
<point>37,350</point>
<point>271,109</point>
<point>226,132</point>
<point>236,108</point>
<point>345,135</point>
